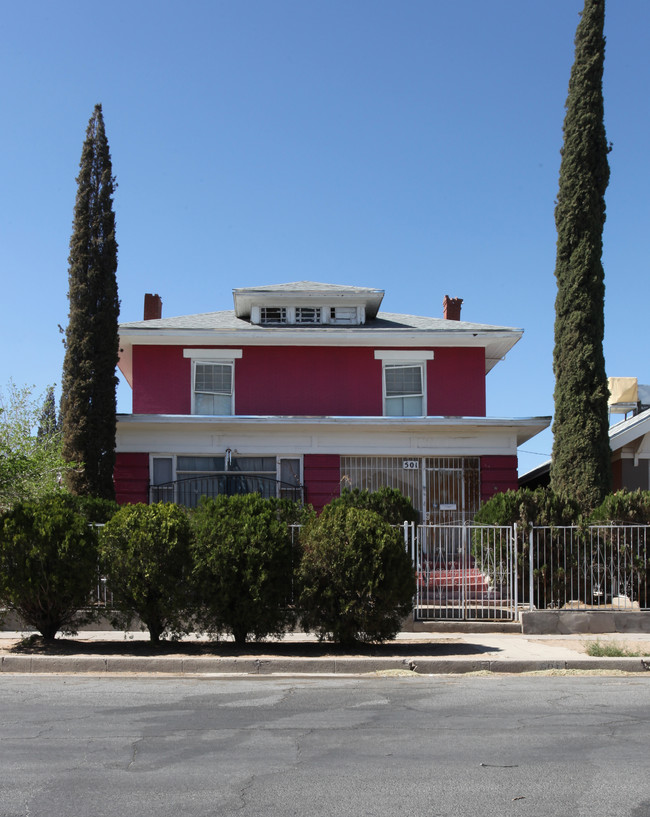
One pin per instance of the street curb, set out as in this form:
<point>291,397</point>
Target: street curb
<point>328,665</point>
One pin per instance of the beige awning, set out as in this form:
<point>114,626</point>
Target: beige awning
<point>623,390</point>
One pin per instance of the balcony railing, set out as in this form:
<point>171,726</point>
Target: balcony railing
<point>189,491</point>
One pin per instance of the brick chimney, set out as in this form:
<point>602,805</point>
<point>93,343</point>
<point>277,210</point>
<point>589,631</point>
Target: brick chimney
<point>451,308</point>
<point>152,307</point>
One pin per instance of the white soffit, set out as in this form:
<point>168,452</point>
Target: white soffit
<point>523,428</point>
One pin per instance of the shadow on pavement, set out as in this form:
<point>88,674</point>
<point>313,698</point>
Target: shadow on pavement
<point>35,645</point>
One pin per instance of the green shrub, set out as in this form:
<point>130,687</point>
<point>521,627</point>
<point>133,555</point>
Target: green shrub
<point>523,506</point>
<point>243,559</point>
<point>389,503</point>
<point>48,564</point>
<point>357,581</point>
<point>146,558</point>
<point>97,510</point>
<point>624,508</point>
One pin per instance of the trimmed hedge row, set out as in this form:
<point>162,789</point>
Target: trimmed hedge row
<point>231,566</point>
<point>543,507</point>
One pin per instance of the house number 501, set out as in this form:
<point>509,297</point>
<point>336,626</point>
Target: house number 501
<point>410,465</point>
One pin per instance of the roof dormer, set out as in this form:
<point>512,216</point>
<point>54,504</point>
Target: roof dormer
<point>307,303</point>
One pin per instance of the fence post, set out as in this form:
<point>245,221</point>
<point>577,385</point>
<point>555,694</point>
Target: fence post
<point>409,533</point>
<point>530,568</point>
<point>513,550</point>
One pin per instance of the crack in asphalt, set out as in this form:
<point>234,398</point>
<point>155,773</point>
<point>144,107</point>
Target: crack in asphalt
<point>134,753</point>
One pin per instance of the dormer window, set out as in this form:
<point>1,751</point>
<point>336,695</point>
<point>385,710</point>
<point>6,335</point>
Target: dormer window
<point>273,314</point>
<point>307,303</point>
<point>344,315</point>
<point>308,314</point>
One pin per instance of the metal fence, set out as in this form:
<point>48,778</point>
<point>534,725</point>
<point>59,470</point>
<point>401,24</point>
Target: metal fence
<point>602,567</point>
<point>474,572</point>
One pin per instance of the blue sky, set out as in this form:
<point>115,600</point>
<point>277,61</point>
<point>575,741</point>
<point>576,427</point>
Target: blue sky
<point>411,146</point>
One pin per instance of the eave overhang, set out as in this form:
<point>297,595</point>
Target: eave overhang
<point>524,427</point>
<point>629,432</point>
<point>496,342</point>
<point>306,293</point>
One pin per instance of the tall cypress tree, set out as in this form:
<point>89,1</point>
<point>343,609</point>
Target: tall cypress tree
<point>88,402</point>
<point>581,463</point>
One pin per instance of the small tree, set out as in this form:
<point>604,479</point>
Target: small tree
<point>357,581</point>
<point>48,564</point>
<point>145,555</point>
<point>31,463</point>
<point>88,402</point>
<point>243,566</point>
<point>48,423</point>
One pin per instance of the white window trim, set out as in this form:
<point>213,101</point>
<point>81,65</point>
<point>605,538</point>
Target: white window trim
<point>226,355</point>
<point>157,456</point>
<point>397,357</point>
<point>403,355</point>
<point>212,355</point>
<point>230,363</point>
<point>280,457</point>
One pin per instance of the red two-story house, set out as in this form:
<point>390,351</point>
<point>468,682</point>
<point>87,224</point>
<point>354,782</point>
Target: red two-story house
<point>306,388</point>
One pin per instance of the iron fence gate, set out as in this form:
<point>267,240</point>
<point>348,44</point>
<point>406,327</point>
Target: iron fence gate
<point>464,572</point>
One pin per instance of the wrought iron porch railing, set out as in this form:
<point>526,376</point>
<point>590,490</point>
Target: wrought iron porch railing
<point>189,491</point>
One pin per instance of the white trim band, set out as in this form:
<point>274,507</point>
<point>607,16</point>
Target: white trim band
<point>212,354</point>
<point>403,354</point>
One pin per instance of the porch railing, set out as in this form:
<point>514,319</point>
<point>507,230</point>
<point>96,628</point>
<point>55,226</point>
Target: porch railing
<point>189,491</point>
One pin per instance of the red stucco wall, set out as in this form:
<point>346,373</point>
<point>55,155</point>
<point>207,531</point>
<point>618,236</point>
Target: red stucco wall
<point>456,383</point>
<point>498,474</point>
<point>321,478</point>
<point>308,381</point>
<point>162,380</point>
<point>275,380</point>
<point>131,477</point>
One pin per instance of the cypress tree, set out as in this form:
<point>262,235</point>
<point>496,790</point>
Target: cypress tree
<point>48,423</point>
<point>88,402</point>
<point>581,463</point>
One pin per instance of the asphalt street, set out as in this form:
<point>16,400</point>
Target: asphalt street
<point>416,745</point>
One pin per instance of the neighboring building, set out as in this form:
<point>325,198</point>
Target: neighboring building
<point>307,387</point>
<point>629,439</point>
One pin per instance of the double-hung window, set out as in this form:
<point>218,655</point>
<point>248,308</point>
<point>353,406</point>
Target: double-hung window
<point>403,394</point>
<point>404,381</point>
<point>213,380</point>
<point>212,388</point>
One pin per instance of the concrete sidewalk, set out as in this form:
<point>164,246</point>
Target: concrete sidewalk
<point>431,653</point>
